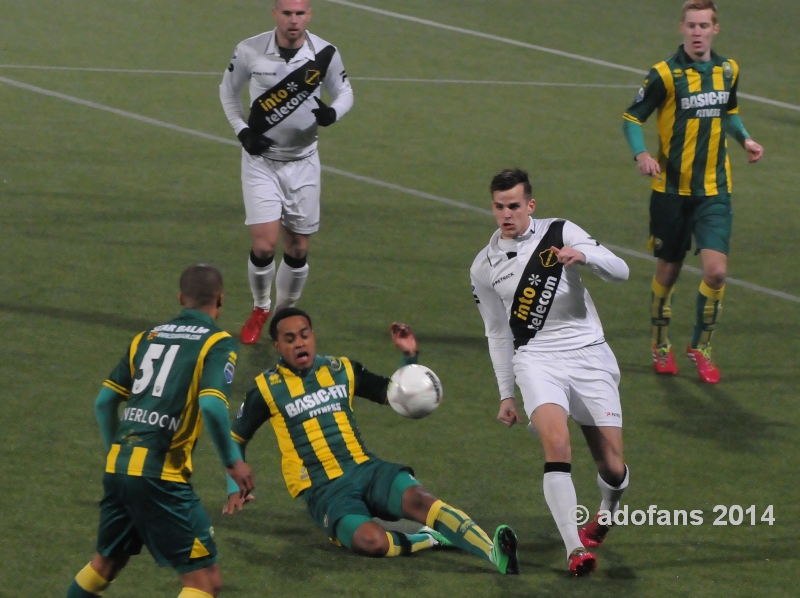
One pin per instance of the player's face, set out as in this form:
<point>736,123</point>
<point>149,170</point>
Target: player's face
<point>296,342</point>
<point>291,21</point>
<point>698,29</point>
<point>512,211</point>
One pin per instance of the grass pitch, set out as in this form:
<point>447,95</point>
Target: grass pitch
<point>101,213</point>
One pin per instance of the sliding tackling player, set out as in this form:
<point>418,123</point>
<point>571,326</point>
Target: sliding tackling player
<point>280,164</point>
<point>308,399</point>
<point>544,332</point>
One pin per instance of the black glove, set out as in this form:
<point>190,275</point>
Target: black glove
<point>326,115</point>
<point>253,143</point>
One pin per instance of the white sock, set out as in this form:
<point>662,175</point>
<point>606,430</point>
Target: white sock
<point>611,494</point>
<point>559,492</point>
<point>289,285</point>
<point>260,283</point>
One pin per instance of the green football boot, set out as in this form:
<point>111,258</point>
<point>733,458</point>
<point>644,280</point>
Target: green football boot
<point>504,551</point>
<point>439,541</point>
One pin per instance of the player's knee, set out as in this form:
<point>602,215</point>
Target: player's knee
<point>109,567</point>
<point>370,540</point>
<point>557,447</point>
<point>263,249</point>
<point>417,502</point>
<point>714,277</point>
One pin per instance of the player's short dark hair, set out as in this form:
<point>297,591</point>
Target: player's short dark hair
<point>201,284</point>
<point>510,178</point>
<point>282,314</point>
<point>699,5</point>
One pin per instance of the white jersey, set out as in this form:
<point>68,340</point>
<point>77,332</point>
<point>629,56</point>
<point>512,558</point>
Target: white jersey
<point>572,322</point>
<point>258,61</point>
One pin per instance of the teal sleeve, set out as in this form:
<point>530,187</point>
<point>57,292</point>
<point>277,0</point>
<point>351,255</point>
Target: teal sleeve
<point>735,128</point>
<point>232,487</point>
<point>634,136</point>
<point>405,360</point>
<point>105,410</point>
<point>215,418</point>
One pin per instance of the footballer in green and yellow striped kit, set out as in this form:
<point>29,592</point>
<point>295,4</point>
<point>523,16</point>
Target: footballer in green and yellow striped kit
<point>695,94</point>
<point>173,379</point>
<point>309,400</point>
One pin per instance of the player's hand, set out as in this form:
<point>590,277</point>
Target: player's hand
<point>569,256</point>
<point>647,166</point>
<point>404,339</point>
<point>754,151</point>
<point>508,413</point>
<point>253,143</point>
<point>325,115</point>
<point>241,473</point>
<point>236,503</point>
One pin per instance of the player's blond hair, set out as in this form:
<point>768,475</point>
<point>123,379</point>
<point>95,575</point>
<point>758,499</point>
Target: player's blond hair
<point>699,5</point>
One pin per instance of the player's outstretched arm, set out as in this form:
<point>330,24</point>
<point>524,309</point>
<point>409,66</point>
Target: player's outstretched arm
<point>215,418</point>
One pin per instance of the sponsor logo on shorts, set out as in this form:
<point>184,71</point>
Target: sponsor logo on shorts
<point>612,414</point>
<point>657,243</point>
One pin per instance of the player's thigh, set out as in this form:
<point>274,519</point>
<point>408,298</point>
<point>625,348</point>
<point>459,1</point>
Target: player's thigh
<point>173,524</point>
<point>594,387</point>
<point>384,485</point>
<point>261,190</point>
<point>332,502</point>
<point>713,223</point>
<point>542,379</point>
<point>117,536</point>
<point>670,226</point>
<point>301,184</point>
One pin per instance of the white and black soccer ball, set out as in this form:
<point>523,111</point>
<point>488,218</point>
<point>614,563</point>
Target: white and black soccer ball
<point>414,391</point>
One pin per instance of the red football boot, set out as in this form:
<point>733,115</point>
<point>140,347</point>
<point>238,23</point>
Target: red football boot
<point>251,331</point>
<point>664,360</point>
<point>593,533</point>
<point>708,370</point>
<point>582,562</point>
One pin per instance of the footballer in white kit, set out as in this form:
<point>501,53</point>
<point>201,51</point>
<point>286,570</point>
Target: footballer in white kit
<point>285,69</point>
<point>545,334</point>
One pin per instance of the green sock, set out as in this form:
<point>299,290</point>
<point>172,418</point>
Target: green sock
<point>76,591</point>
<point>707,308</point>
<point>459,529</point>
<point>660,312</point>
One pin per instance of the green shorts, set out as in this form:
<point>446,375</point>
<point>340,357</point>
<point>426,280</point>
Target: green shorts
<point>675,218</point>
<point>167,517</point>
<point>363,490</point>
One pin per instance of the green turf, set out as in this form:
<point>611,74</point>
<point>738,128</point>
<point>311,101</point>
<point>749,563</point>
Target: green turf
<point>101,213</point>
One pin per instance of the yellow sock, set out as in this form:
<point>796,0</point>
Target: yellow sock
<point>193,593</point>
<point>709,304</point>
<point>661,312</point>
<point>401,544</point>
<point>457,527</point>
<point>90,581</point>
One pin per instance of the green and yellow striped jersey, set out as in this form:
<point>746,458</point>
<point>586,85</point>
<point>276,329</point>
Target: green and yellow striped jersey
<point>312,416</point>
<point>163,375</point>
<point>694,102</point>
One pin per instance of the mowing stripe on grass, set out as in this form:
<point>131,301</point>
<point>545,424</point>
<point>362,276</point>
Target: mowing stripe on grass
<point>379,79</point>
<point>514,42</point>
<point>353,176</point>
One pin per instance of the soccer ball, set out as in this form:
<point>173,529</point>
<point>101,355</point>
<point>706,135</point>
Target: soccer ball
<point>414,391</point>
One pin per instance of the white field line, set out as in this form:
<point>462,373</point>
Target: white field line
<point>513,42</point>
<point>379,79</point>
<point>353,176</point>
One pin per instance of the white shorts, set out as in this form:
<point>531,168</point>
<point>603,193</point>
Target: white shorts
<point>285,191</point>
<point>585,382</point>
